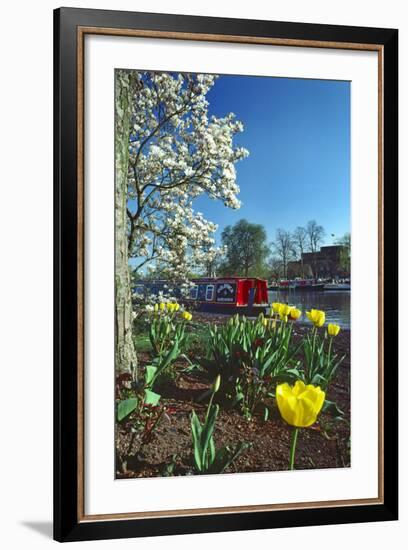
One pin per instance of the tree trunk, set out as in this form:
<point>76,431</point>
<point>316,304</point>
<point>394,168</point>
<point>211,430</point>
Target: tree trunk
<point>125,354</point>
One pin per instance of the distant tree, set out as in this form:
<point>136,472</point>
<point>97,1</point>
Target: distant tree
<point>275,268</point>
<point>315,236</point>
<point>283,248</point>
<point>246,248</point>
<point>345,242</point>
<point>299,238</point>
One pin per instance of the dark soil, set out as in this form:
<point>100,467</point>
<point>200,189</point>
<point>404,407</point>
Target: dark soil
<point>169,451</point>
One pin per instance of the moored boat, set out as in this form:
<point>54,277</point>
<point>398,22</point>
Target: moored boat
<point>297,284</point>
<point>337,286</point>
<point>228,295</point>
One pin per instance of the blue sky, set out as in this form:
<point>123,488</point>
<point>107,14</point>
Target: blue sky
<point>298,134</point>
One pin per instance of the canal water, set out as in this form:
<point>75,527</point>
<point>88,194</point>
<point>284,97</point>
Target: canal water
<point>336,304</point>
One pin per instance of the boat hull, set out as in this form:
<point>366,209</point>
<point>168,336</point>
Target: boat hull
<point>337,288</point>
<point>249,311</point>
<point>312,288</point>
<point>297,288</point>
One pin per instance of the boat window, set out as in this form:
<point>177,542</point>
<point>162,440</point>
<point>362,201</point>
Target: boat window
<point>194,293</point>
<point>209,294</point>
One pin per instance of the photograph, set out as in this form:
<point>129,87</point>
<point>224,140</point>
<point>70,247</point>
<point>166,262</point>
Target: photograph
<point>232,273</point>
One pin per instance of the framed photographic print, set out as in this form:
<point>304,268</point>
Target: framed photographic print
<point>225,274</point>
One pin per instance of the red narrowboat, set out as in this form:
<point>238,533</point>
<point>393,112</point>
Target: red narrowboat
<point>244,295</point>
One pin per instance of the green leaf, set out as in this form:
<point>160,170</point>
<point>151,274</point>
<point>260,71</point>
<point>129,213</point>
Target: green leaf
<point>226,456</point>
<point>295,372</point>
<point>208,428</point>
<point>318,379</point>
<point>151,398</point>
<point>212,451</point>
<point>125,407</point>
<point>196,427</point>
<point>169,358</point>
<point>239,396</point>
<point>196,436</point>
<point>331,407</point>
<point>150,374</point>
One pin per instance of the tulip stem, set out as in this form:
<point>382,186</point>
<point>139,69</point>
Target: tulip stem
<point>329,352</point>
<point>209,405</point>
<point>293,448</point>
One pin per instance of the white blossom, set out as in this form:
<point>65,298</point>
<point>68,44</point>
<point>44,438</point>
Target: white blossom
<point>177,153</point>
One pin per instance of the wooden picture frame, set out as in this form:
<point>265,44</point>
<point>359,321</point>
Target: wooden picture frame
<point>70,27</point>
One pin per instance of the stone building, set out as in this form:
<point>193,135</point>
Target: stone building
<point>329,262</point>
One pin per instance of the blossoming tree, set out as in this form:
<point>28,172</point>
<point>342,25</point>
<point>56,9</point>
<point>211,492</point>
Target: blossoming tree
<point>176,152</point>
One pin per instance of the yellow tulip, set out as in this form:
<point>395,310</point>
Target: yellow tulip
<point>299,405</point>
<point>295,313</point>
<point>276,306</point>
<point>162,306</point>
<point>332,329</point>
<point>284,310</point>
<point>187,316</point>
<point>176,307</point>
<point>317,317</point>
<point>156,307</point>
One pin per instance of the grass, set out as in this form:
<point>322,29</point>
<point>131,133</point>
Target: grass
<point>142,343</point>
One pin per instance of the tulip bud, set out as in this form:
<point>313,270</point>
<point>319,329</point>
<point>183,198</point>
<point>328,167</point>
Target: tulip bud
<point>317,317</point>
<point>332,329</point>
<point>275,307</point>
<point>217,383</point>
<point>295,313</point>
<point>284,310</point>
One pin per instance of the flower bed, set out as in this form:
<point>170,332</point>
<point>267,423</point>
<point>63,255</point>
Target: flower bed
<point>265,437</point>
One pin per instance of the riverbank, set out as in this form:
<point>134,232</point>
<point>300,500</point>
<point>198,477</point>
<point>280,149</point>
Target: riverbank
<point>169,452</point>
